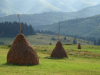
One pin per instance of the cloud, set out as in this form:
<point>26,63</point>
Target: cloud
<point>69,7</point>
<point>24,6</point>
<point>91,2</point>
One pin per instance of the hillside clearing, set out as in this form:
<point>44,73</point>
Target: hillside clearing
<point>45,39</point>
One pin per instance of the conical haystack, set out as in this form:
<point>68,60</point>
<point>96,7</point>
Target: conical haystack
<point>79,47</point>
<point>21,52</point>
<point>59,51</point>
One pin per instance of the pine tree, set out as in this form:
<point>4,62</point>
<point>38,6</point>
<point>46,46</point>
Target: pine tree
<point>98,43</point>
<point>95,42</point>
<point>64,38</point>
<point>74,41</point>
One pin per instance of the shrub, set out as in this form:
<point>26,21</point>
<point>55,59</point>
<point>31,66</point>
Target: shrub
<point>53,38</point>
<point>50,43</point>
<point>9,45</point>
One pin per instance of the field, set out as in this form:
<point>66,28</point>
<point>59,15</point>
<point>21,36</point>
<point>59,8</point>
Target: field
<point>45,39</point>
<point>85,61</point>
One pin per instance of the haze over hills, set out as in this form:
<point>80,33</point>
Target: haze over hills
<point>53,17</point>
<point>49,12</point>
<point>88,27</point>
<point>8,7</point>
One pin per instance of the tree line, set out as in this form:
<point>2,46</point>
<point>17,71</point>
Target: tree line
<point>11,29</point>
<point>97,41</point>
<point>92,39</point>
<point>81,37</point>
<point>46,32</point>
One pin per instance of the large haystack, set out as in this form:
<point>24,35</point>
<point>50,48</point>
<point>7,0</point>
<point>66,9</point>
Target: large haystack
<point>21,52</point>
<point>79,47</point>
<point>59,51</point>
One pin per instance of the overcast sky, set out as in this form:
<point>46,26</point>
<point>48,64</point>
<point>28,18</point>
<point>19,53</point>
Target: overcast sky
<point>74,4</point>
<point>35,6</point>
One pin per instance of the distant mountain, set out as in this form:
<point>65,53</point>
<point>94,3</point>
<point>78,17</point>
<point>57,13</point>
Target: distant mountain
<point>2,14</point>
<point>89,11</point>
<point>32,6</point>
<point>9,7</point>
<point>38,19</point>
<point>46,18</point>
<point>52,17</point>
<point>82,27</point>
<point>59,12</point>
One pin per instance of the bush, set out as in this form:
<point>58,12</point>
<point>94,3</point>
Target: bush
<point>67,44</point>
<point>53,38</point>
<point>9,45</point>
<point>50,43</point>
<point>40,38</point>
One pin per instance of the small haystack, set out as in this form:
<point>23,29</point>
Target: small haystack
<point>59,51</point>
<point>79,47</point>
<point>21,52</point>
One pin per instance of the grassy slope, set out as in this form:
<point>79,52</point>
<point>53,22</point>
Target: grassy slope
<point>44,39</point>
<point>89,26</point>
<point>75,65</point>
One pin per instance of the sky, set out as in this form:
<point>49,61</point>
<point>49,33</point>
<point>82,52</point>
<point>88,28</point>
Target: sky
<point>75,5</point>
<point>38,6</point>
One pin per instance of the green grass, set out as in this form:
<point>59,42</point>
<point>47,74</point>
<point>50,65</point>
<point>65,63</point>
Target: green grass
<point>45,39</point>
<point>78,63</point>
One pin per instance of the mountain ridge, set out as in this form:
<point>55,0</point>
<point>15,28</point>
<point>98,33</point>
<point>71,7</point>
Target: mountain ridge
<point>40,6</point>
<point>88,27</point>
<point>46,18</point>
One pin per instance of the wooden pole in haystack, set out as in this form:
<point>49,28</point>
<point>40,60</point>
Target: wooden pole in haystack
<point>59,51</point>
<point>21,52</point>
<point>59,31</point>
<point>20,24</point>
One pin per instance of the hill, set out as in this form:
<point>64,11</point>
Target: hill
<point>32,6</point>
<point>9,7</point>
<point>88,27</point>
<point>47,18</point>
<point>38,19</point>
<point>45,39</point>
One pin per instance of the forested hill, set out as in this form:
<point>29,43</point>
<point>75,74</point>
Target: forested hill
<point>80,26</point>
<point>52,17</point>
<point>39,19</point>
<point>11,29</point>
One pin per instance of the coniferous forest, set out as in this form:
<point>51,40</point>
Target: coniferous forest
<point>11,29</point>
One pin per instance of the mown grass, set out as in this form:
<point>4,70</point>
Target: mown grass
<point>78,63</point>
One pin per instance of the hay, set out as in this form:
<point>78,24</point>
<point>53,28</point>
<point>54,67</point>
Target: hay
<point>21,52</point>
<point>59,51</point>
<point>79,47</point>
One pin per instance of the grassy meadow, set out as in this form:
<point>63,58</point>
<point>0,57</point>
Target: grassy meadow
<point>45,39</point>
<point>85,61</point>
